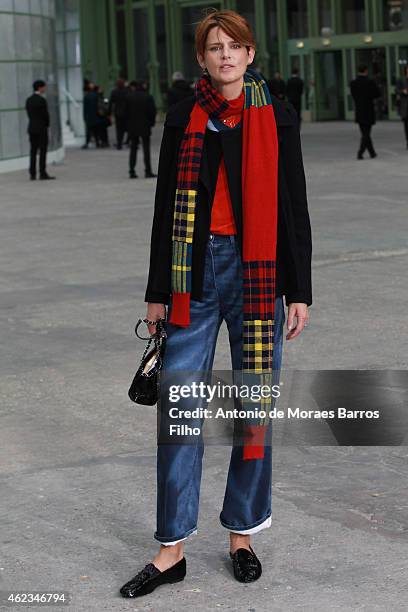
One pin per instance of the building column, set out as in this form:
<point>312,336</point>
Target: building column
<point>153,64</point>
<point>282,29</point>
<point>114,66</point>
<point>94,49</point>
<point>262,55</point>
<point>338,26</point>
<point>312,19</point>
<point>174,36</point>
<point>368,15</point>
<point>130,40</point>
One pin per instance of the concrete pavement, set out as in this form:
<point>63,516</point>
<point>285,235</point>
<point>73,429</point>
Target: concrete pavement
<point>77,480</point>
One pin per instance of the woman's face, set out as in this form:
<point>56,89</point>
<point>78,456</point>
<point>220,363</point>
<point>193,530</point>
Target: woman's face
<point>225,59</point>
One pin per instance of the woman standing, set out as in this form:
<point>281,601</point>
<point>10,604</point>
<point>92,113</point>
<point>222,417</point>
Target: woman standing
<point>402,97</point>
<point>231,235</point>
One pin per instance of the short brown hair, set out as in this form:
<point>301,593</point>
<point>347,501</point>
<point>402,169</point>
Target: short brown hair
<point>234,24</point>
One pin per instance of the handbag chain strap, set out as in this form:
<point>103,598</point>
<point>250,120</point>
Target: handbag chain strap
<point>157,337</point>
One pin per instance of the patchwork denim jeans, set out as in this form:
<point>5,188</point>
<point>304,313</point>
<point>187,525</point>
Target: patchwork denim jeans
<point>247,505</point>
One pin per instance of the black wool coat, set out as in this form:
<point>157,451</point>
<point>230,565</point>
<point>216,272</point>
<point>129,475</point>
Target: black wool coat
<point>364,92</point>
<point>140,113</point>
<point>294,242</point>
<point>38,116</point>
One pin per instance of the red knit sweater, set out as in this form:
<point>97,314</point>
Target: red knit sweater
<point>222,218</point>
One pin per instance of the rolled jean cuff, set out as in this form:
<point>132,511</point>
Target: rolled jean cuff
<point>169,542</point>
<point>264,524</point>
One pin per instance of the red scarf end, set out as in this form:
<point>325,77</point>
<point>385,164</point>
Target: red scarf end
<point>180,309</point>
<point>254,442</point>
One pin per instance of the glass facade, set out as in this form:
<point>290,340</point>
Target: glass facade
<point>141,35</point>
<point>325,15</point>
<point>161,46</point>
<point>27,53</point>
<point>329,73</point>
<point>394,14</point>
<point>69,64</point>
<point>272,36</point>
<point>121,44</point>
<point>247,9</point>
<point>190,15</point>
<point>297,18</point>
<point>353,18</point>
<point>323,38</point>
<point>150,39</point>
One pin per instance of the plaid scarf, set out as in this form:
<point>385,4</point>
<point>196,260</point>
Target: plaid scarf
<point>259,215</point>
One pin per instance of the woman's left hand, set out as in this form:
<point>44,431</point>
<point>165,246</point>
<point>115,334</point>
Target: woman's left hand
<point>300,311</point>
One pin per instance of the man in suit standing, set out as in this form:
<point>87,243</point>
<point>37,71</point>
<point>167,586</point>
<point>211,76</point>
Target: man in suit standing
<point>294,91</point>
<point>364,92</point>
<point>141,117</point>
<point>38,124</point>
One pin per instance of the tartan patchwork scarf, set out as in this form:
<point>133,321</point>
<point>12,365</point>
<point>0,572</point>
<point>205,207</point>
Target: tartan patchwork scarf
<point>259,216</point>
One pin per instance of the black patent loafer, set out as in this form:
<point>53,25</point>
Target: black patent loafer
<point>147,580</point>
<point>247,567</point>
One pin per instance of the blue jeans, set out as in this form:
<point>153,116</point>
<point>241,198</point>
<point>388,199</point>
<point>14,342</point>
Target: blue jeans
<point>247,504</point>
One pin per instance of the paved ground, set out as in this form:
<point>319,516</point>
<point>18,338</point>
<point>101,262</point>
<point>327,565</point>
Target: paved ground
<point>78,460</point>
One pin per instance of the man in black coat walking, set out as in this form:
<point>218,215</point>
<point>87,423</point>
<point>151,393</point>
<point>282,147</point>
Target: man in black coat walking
<point>38,124</point>
<point>141,117</point>
<point>294,91</point>
<point>364,92</point>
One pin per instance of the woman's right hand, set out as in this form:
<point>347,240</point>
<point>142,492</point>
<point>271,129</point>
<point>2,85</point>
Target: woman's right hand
<point>154,312</point>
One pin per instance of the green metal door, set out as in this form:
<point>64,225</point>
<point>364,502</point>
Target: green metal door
<point>378,70</point>
<point>349,67</point>
<point>189,14</point>
<point>329,85</point>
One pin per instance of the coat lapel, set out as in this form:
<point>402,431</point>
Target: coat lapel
<point>204,175</point>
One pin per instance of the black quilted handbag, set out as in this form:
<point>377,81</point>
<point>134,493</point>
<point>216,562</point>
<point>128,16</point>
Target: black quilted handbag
<point>145,385</point>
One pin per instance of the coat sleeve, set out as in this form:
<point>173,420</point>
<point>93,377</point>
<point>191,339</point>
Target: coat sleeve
<point>158,285</point>
<point>46,114</point>
<point>152,111</point>
<point>296,183</point>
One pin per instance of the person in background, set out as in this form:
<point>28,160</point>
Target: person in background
<point>294,91</point>
<point>364,92</point>
<point>179,90</point>
<point>91,119</point>
<point>140,117</point>
<point>104,120</point>
<point>277,86</point>
<point>38,124</point>
<point>402,100</point>
<point>117,108</point>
